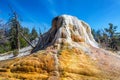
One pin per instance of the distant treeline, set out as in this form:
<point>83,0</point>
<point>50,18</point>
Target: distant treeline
<point>108,38</point>
<point>8,34</point>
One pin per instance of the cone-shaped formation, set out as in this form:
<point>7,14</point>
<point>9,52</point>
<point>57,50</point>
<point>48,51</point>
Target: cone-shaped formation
<point>71,54</point>
<point>67,29</point>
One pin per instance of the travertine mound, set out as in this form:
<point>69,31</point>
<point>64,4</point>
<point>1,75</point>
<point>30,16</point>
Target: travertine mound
<point>69,53</point>
<point>69,30</point>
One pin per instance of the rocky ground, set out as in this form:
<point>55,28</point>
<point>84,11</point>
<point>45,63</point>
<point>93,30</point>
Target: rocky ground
<point>69,64</point>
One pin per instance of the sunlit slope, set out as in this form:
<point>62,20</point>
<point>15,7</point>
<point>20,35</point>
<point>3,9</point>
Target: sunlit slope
<point>73,64</point>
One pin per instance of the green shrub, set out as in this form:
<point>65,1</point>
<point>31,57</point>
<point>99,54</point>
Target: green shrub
<point>15,52</point>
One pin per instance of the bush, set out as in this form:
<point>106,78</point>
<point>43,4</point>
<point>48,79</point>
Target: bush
<point>15,52</point>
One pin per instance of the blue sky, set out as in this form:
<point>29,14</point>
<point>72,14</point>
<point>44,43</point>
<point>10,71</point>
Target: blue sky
<point>38,13</point>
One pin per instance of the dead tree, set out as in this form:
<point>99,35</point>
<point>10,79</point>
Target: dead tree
<point>16,26</point>
<point>26,40</point>
<point>17,33</point>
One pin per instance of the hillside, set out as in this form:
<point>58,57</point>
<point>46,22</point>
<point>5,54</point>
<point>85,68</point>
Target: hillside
<point>67,51</point>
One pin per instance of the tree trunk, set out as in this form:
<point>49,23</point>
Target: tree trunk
<point>17,38</point>
<point>27,40</point>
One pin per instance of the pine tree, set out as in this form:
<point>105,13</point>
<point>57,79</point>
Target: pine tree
<point>26,33</point>
<point>33,34</point>
<point>111,32</point>
<point>14,32</point>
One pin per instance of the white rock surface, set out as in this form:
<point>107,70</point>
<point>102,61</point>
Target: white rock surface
<point>22,52</point>
<point>67,29</point>
<point>82,29</point>
<point>6,56</point>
